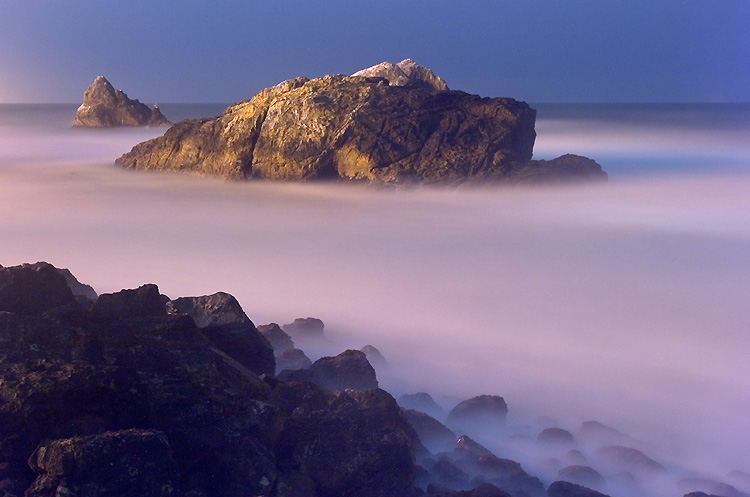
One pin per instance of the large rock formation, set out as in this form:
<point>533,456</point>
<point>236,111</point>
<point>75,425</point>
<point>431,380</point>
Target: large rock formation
<point>358,128</point>
<point>104,107</point>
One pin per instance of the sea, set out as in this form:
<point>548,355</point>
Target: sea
<point>626,302</point>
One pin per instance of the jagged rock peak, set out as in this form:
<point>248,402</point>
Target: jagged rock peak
<point>104,106</point>
<point>405,73</point>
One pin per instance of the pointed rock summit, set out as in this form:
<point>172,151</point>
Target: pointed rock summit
<point>405,73</point>
<point>105,107</point>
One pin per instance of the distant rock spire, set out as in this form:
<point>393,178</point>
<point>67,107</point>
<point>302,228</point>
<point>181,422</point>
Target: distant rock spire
<point>105,106</point>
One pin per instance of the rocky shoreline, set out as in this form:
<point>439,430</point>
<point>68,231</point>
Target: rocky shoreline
<point>136,394</point>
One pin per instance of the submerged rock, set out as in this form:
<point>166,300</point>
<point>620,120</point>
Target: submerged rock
<point>619,458</point>
<point>582,475</point>
<point>556,437</point>
<point>104,106</point>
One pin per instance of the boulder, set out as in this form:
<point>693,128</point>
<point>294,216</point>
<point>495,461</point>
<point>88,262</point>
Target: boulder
<point>479,461</point>
<point>354,128</point>
<point>710,487</point>
<point>556,437</point>
<point>433,434</point>
<point>277,337</point>
<point>324,439</point>
<point>221,318</point>
<point>34,289</point>
<point>483,490</point>
<point>348,370</point>
<point>405,73</point>
<point>208,311</point>
<point>144,301</point>
<point>292,359</point>
<point>481,410</point>
<point>375,357</point>
<point>423,402</point>
<point>305,329</point>
<point>597,434</point>
<point>619,458</point>
<point>104,106</point>
<point>582,475</point>
<point>567,489</point>
<point>129,463</point>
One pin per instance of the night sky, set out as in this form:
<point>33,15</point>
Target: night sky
<point>224,51</point>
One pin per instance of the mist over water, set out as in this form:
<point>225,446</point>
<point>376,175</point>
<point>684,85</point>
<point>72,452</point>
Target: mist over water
<point>623,302</point>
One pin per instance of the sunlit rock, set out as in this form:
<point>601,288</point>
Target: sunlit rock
<point>405,73</point>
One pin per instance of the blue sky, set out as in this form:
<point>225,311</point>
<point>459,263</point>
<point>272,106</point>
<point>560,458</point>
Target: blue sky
<point>224,51</point>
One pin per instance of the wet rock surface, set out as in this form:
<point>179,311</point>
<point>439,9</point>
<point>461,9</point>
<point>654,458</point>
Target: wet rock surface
<point>104,107</point>
<point>402,126</point>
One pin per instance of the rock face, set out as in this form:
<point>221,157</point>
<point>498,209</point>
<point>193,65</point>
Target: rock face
<point>104,106</point>
<point>405,73</point>
<point>350,127</point>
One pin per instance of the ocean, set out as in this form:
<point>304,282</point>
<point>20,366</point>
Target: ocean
<point>624,302</point>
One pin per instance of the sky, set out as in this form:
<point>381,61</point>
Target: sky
<point>225,51</point>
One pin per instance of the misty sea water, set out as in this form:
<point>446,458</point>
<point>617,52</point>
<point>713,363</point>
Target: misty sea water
<point>623,302</point>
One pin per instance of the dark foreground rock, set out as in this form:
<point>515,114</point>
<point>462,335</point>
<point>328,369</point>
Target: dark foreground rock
<point>130,463</point>
<point>404,129</point>
<point>129,399</point>
<point>349,370</point>
<point>221,318</point>
<point>104,106</point>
